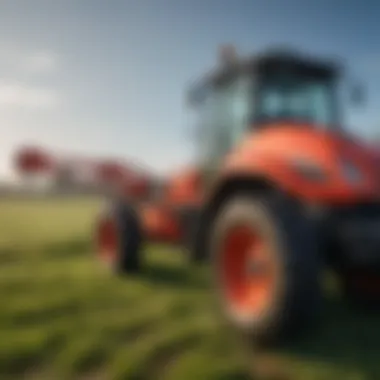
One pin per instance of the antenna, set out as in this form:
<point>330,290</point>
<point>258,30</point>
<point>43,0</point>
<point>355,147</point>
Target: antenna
<point>227,55</point>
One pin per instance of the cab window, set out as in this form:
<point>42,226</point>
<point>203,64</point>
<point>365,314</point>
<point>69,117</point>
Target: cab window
<point>223,118</point>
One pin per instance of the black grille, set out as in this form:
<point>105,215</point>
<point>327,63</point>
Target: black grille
<point>366,210</point>
<point>352,233</point>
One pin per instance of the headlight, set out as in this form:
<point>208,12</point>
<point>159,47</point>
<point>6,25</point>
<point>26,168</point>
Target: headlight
<point>309,170</point>
<point>350,171</point>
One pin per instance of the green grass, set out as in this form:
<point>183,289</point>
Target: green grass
<point>63,316</point>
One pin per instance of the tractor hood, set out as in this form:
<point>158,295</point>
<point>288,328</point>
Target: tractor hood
<point>309,161</point>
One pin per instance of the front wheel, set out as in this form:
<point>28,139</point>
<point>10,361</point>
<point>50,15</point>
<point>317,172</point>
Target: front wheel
<point>266,267</point>
<point>118,238</point>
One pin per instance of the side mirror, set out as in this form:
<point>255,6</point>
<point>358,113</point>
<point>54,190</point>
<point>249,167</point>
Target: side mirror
<point>358,95</point>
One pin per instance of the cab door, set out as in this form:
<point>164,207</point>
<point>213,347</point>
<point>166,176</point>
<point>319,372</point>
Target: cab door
<point>223,120</point>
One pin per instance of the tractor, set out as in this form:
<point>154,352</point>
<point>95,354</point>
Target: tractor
<point>281,191</point>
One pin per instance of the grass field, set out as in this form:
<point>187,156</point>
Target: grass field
<point>63,316</point>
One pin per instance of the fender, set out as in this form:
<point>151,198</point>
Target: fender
<point>270,156</point>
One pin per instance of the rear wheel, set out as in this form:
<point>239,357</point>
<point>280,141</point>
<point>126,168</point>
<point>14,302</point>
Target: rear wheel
<point>266,267</point>
<point>119,237</point>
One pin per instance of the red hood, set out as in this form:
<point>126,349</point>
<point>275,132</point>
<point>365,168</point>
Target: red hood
<point>275,149</point>
<point>305,141</point>
<point>350,146</point>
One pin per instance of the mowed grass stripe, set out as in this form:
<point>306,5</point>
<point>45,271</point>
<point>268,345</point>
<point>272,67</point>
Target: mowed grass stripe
<point>64,316</point>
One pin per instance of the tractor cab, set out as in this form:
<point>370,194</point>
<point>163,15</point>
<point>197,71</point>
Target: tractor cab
<point>277,87</point>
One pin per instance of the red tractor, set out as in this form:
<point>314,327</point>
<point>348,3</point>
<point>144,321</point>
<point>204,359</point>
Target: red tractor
<point>281,192</point>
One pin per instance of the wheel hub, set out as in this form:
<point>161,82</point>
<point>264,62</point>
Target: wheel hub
<point>247,282</point>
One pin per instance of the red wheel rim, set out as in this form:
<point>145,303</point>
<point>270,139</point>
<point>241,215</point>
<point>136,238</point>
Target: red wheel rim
<point>107,240</point>
<point>247,272</point>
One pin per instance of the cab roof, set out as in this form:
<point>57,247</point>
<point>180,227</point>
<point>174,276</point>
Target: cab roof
<point>268,60</point>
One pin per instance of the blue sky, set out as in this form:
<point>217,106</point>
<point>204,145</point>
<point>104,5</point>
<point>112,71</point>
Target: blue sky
<point>107,77</point>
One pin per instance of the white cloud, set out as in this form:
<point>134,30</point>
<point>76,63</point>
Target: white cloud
<point>25,60</point>
<point>40,62</point>
<point>19,65</point>
<point>16,95</point>
<point>25,104</point>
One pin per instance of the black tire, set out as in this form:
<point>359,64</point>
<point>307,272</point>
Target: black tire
<point>295,301</point>
<point>127,257</point>
<point>190,221</point>
<point>365,297</point>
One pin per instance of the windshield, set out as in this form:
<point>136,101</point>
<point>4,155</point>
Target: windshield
<point>304,99</point>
